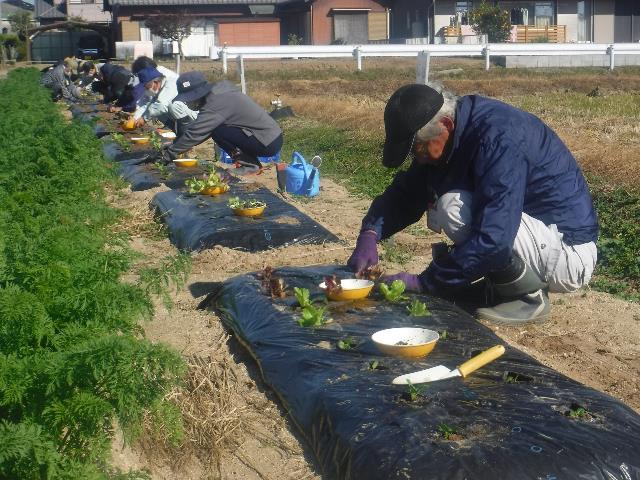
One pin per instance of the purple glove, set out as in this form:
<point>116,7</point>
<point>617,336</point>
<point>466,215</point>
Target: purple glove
<point>366,252</point>
<point>412,282</point>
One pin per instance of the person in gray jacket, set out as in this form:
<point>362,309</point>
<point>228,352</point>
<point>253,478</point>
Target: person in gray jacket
<point>58,80</point>
<point>232,119</point>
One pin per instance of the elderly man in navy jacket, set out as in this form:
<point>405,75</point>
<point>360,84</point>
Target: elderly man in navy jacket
<point>501,185</point>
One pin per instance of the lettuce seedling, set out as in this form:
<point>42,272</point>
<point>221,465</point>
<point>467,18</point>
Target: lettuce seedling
<point>312,316</point>
<point>418,309</point>
<point>347,344</point>
<point>395,292</point>
<point>303,297</point>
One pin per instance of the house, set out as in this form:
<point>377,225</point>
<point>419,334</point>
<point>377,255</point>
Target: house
<point>57,43</point>
<point>10,7</point>
<point>51,11</point>
<point>322,22</point>
<point>597,21</point>
<point>214,22</point>
<point>254,22</point>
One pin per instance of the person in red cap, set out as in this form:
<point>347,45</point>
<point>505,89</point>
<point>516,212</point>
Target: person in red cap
<point>501,185</point>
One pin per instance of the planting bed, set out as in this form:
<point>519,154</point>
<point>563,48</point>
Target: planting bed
<point>143,176</point>
<point>197,222</point>
<point>515,418</point>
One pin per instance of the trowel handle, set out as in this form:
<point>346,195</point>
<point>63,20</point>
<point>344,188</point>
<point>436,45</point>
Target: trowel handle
<point>480,360</point>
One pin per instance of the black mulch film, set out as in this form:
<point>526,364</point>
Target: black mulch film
<point>197,222</point>
<point>513,417</point>
<point>143,176</point>
<point>87,113</point>
<point>114,153</point>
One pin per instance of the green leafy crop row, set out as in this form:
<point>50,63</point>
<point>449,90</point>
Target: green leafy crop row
<point>73,361</point>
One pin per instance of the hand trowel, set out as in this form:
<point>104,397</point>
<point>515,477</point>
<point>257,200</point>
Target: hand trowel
<point>442,373</point>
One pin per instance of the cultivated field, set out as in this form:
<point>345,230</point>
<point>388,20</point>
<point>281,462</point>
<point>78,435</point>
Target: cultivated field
<point>234,425</point>
<point>593,337</point>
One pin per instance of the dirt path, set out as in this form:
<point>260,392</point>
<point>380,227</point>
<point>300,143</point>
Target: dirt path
<point>592,337</point>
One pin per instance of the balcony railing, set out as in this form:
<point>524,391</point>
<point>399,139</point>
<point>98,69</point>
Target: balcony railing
<point>549,33</point>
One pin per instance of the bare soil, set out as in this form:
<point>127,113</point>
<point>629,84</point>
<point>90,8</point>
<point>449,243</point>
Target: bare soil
<point>592,337</point>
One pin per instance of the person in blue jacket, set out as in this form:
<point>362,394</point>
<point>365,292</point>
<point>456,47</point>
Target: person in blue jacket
<point>501,185</point>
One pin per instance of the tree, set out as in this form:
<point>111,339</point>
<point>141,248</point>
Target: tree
<point>492,21</point>
<point>20,23</point>
<point>175,27</point>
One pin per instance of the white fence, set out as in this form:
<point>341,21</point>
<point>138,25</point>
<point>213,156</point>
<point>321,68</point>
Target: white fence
<point>358,52</point>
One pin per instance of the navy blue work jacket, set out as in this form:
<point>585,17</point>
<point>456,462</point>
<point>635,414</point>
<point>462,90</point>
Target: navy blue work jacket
<point>513,163</point>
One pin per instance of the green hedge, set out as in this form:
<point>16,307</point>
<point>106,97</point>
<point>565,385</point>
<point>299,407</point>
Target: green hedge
<point>73,361</point>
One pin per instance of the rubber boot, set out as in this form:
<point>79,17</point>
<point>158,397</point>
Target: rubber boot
<point>524,296</point>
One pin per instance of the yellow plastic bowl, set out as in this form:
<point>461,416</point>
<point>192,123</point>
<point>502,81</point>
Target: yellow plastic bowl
<point>352,289</point>
<point>214,190</point>
<point>406,342</point>
<point>249,212</point>
<point>186,162</point>
<point>140,140</point>
<point>129,124</point>
<point>169,135</point>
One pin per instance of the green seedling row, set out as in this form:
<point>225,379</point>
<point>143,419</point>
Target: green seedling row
<point>74,364</point>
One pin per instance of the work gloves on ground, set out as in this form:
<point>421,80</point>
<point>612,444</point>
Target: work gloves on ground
<point>365,254</point>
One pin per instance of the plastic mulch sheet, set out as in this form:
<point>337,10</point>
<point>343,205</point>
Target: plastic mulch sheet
<point>88,117</point>
<point>114,153</point>
<point>197,222</point>
<point>513,419</point>
<point>143,176</point>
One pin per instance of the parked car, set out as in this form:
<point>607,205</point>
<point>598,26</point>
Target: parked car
<point>91,47</point>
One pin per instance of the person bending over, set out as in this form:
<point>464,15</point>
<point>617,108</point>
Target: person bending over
<point>501,185</point>
<point>159,92</point>
<point>232,119</point>
<point>58,80</point>
<point>177,113</point>
<point>118,87</point>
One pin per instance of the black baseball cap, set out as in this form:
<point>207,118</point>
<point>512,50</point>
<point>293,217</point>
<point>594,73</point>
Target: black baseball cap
<point>409,109</point>
<point>192,86</point>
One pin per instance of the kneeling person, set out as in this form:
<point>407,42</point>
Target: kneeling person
<point>232,119</point>
<point>501,185</point>
<point>58,80</point>
<point>159,92</point>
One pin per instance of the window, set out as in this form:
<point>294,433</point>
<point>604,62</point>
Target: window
<point>538,13</point>
<point>462,12</point>
<point>203,27</point>
<point>544,14</point>
<point>464,6</point>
